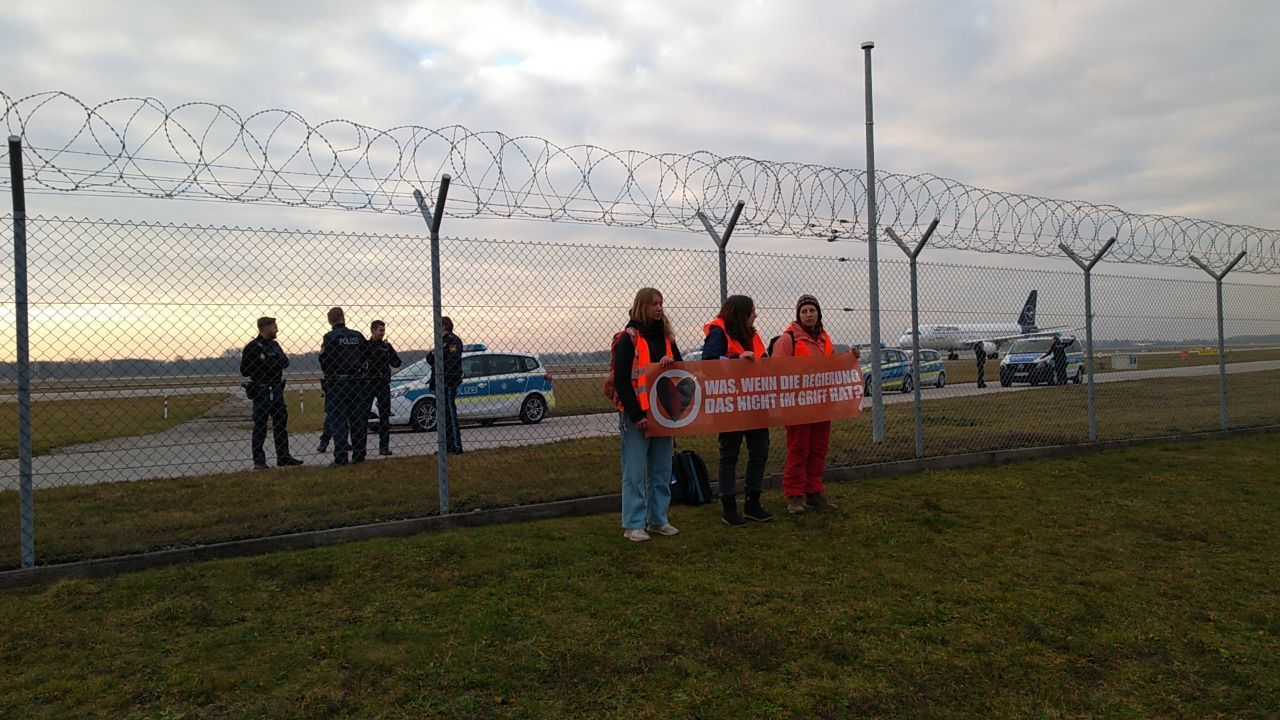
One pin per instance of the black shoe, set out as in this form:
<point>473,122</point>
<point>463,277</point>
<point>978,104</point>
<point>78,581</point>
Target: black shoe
<point>730,515</point>
<point>261,466</point>
<point>357,460</point>
<point>324,448</point>
<point>754,510</point>
<point>289,461</point>
<point>385,451</point>
<point>982,385</point>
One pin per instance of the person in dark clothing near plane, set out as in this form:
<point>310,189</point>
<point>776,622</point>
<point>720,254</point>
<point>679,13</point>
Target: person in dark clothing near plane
<point>980,353</point>
<point>382,358</point>
<point>344,360</point>
<point>1058,351</point>
<point>448,408</point>
<point>263,362</point>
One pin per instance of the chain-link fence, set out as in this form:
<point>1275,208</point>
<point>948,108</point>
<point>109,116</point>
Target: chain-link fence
<point>142,429</point>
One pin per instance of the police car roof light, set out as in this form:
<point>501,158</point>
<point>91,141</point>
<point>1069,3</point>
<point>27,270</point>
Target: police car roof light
<point>474,347</point>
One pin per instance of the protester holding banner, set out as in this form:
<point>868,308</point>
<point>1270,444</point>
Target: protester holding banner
<point>806,444</point>
<point>646,461</point>
<point>732,335</point>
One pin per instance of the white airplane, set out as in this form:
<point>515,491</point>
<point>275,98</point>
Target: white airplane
<point>993,336</point>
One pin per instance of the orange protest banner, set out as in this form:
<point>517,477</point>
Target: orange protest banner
<point>712,396</point>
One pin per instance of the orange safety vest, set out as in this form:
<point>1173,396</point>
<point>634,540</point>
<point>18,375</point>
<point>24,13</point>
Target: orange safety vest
<point>802,349</point>
<point>735,347</point>
<point>639,382</point>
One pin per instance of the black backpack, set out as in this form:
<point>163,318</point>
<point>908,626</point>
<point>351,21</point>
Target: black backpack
<point>774,340</point>
<point>690,482</point>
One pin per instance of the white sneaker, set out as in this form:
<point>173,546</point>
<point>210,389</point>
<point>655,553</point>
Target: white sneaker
<point>667,529</point>
<point>635,534</point>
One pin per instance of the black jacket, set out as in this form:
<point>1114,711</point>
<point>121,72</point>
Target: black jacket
<point>344,353</point>
<point>624,353</point>
<point>382,357</point>
<point>452,361</point>
<point>1057,351</point>
<point>263,361</point>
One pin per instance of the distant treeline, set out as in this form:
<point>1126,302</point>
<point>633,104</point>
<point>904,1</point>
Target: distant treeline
<point>226,364</point>
<point>229,362</point>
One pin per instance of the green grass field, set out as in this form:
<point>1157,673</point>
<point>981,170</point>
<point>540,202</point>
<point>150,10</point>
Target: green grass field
<point>59,423</point>
<point>115,518</point>
<point>1137,583</point>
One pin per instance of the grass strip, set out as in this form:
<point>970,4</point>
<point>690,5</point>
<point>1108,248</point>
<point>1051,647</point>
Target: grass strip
<point>1131,583</point>
<point>115,518</point>
<point>60,423</point>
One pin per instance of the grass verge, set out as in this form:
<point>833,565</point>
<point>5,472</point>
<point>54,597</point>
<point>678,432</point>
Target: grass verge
<point>1131,583</point>
<point>116,518</point>
<point>59,423</point>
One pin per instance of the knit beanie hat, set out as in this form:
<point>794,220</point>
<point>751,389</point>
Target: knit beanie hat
<point>808,299</point>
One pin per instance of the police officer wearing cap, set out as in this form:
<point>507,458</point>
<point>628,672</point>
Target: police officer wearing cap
<point>344,360</point>
<point>263,362</point>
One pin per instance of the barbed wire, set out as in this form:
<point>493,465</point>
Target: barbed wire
<point>197,150</point>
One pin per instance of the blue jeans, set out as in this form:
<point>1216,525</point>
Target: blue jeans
<point>646,476</point>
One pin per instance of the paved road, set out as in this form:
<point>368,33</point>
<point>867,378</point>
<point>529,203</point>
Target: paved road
<point>218,442</point>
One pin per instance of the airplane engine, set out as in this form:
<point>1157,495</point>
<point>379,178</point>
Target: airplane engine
<point>990,349</point>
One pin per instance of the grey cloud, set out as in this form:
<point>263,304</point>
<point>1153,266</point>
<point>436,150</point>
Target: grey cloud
<point>1148,106</point>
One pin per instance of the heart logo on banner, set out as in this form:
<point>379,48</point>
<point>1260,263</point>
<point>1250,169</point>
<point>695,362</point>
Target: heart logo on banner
<point>676,396</point>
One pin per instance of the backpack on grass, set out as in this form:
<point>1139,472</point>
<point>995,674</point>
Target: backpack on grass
<point>690,482</point>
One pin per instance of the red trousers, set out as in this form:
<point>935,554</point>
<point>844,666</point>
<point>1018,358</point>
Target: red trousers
<point>806,458</point>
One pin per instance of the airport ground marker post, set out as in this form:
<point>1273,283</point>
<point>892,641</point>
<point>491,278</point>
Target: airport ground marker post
<point>873,269</point>
<point>912,254</point>
<point>721,242</point>
<point>437,371</point>
<point>1087,267</point>
<point>1222,350</point>
<point>26,505</point>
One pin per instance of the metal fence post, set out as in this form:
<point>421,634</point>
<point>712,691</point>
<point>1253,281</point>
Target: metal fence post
<point>443,417</point>
<point>1222,349</point>
<point>912,254</point>
<point>26,504</point>
<point>873,270</point>
<point>1087,267</point>
<point>721,242</point>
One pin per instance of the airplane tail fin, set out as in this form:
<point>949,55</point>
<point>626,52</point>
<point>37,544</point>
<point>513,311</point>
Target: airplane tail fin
<point>1027,320</point>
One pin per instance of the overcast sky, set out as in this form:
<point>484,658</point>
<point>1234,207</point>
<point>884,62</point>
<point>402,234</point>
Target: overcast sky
<point>1153,106</point>
<point>1157,107</point>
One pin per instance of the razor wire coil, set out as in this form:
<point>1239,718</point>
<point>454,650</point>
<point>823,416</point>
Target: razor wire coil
<point>204,151</point>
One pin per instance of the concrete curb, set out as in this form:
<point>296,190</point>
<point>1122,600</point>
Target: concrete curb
<point>596,505</point>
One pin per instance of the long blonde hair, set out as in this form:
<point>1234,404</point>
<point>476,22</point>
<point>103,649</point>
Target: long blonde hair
<point>640,309</point>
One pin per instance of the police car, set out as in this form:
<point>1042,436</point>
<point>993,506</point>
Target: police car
<point>496,385</point>
<point>932,370</point>
<point>1026,361</point>
<point>895,369</point>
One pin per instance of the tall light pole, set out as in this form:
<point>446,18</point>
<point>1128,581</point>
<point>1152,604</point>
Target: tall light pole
<point>877,395</point>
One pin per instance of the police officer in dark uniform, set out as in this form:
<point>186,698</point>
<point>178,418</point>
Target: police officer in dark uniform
<point>1059,352</point>
<point>382,358</point>
<point>980,352</point>
<point>263,362</point>
<point>344,360</point>
<point>452,379</point>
